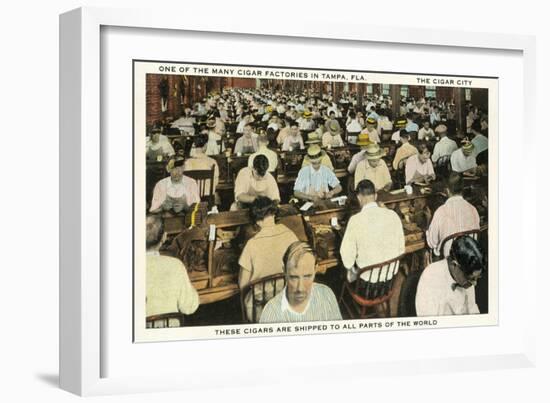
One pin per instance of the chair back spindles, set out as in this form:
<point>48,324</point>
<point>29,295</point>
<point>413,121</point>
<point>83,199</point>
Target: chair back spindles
<point>261,291</point>
<point>373,286</point>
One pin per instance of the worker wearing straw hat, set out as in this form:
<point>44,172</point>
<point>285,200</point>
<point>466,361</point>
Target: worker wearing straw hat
<point>362,141</point>
<point>463,160</point>
<point>371,130</point>
<point>315,181</point>
<point>331,138</point>
<point>314,138</point>
<point>374,168</point>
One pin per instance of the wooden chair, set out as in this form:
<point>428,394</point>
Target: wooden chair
<point>472,233</point>
<point>262,291</point>
<point>407,297</point>
<point>164,319</point>
<point>205,181</point>
<point>377,290</point>
<point>430,255</point>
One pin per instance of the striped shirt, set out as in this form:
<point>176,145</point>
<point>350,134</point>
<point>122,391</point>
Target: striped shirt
<point>456,215</point>
<point>311,181</point>
<point>322,305</point>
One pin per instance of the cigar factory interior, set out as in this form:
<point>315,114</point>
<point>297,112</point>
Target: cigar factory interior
<point>276,200</point>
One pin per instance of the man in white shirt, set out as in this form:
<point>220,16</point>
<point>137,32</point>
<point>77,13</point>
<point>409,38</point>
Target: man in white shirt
<point>175,193</point>
<point>158,146</point>
<point>403,152</point>
<point>463,160</point>
<point>186,122</point>
<point>332,137</point>
<point>307,123</point>
<point>419,167</point>
<point>426,132</point>
<point>373,168</point>
<point>456,215</point>
<point>294,140</point>
<point>445,146</point>
<point>363,142</point>
<point>263,142</point>
<point>371,130</point>
<point>246,144</point>
<point>374,235</point>
<point>399,125</point>
<point>447,287</point>
<point>167,284</point>
<point>353,128</point>
<point>253,182</point>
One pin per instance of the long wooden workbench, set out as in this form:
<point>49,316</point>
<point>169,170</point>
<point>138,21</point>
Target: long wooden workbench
<point>215,274</point>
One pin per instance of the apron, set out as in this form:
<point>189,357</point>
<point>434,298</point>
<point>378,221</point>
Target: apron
<point>153,154</point>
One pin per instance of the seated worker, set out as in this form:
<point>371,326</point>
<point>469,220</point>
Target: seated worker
<point>246,144</point>
<point>463,160</point>
<point>263,254</point>
<point>307,123</point>
<point>332,138</point>
<point>371,130</point>
<point>201,161</point>
<point>363,142</point>
<point>353,128</point>
<point>446,287</point>
<point>399,125</point>
<point>403,152</point>
<point>302,300</point>
<point>456,215</point>
<point>374,168</point>
<point>158,146</point>
<point>284,132</point>
<point>374,235</point>
<point>445,146</point>
<point>168,288</point>
<point>185,123</point>
<point>214,146</point>
<point>294,140</point>
<point>263,142</point>
<point>480,142</point>
<point>426,132</point>
<point>411,125</point>
<point>175,193</point>
<point>314,139</point>
<point>419,167</point>
<point>331,118</point>
<point>254,182</point>
<point>314,180</point>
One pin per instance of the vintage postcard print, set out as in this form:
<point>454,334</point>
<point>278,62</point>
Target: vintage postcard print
<point>272,201</point>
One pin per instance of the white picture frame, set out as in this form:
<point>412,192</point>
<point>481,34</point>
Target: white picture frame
<point>82,344</point>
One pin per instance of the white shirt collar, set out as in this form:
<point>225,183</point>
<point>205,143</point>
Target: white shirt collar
<point>454,198</point>
<point>285,305</point>
<point>369,205</point>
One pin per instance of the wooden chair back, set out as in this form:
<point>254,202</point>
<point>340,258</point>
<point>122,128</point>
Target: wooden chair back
<point>449,240</point>
<point>376,289</point>
<point>163,319</point>
<point>262,290</point>
<point>205,182</point>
